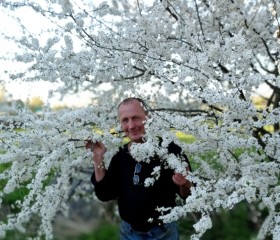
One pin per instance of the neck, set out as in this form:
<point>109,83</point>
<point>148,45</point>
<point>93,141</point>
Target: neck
<point>130,143</point>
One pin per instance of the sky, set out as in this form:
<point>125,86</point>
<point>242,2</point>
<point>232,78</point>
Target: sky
<point>26,90</point>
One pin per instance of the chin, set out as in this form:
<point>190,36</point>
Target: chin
<point>136,139</point>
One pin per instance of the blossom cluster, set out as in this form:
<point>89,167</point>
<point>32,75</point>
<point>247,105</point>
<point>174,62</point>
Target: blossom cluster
<point>202,65</point>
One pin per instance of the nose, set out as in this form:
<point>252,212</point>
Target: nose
<point>131,124</point>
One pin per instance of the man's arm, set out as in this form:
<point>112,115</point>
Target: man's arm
<point>102,179</point>
<point>184,184</point>
<point>98,149</point>
<point>178,178</point>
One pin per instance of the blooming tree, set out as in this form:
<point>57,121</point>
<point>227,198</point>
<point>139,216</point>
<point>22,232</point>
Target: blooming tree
<point>196,63</point>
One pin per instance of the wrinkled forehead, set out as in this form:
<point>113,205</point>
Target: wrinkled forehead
<point>133,106</point>
<point>132,100</point>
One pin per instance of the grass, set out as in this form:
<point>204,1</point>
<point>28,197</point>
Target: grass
<point>105,231</point>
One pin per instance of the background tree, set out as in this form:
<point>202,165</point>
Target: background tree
<point>201,62</point>
<point>35,104</point>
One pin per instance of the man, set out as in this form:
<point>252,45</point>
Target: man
<point>124,181</point>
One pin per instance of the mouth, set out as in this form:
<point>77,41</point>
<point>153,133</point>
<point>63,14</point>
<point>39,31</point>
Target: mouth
<point>134,133</point>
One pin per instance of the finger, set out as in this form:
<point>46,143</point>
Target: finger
<point>89,145</point>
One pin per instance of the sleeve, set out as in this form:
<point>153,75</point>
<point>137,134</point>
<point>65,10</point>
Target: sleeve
<point>177,150</point>
<point>106,189</point>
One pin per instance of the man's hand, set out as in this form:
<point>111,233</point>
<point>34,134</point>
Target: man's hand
<point>98,149</point>
<point>184,184</point>
<point>179,179</point>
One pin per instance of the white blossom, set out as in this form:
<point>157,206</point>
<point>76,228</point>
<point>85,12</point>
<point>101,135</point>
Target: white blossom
<point>197,66</point>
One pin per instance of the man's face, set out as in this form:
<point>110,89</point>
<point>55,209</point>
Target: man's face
<point>132,117</point>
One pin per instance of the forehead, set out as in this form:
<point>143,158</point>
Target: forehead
<point>131,108</point>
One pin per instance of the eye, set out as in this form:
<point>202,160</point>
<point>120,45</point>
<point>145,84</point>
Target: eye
<point>124,120</point>
<point>137,118</point>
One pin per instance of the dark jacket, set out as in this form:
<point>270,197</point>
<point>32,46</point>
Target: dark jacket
<point>137,203</point>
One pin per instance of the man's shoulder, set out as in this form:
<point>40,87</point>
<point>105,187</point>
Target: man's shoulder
<point>123,149</point>
<point>174,148</point>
